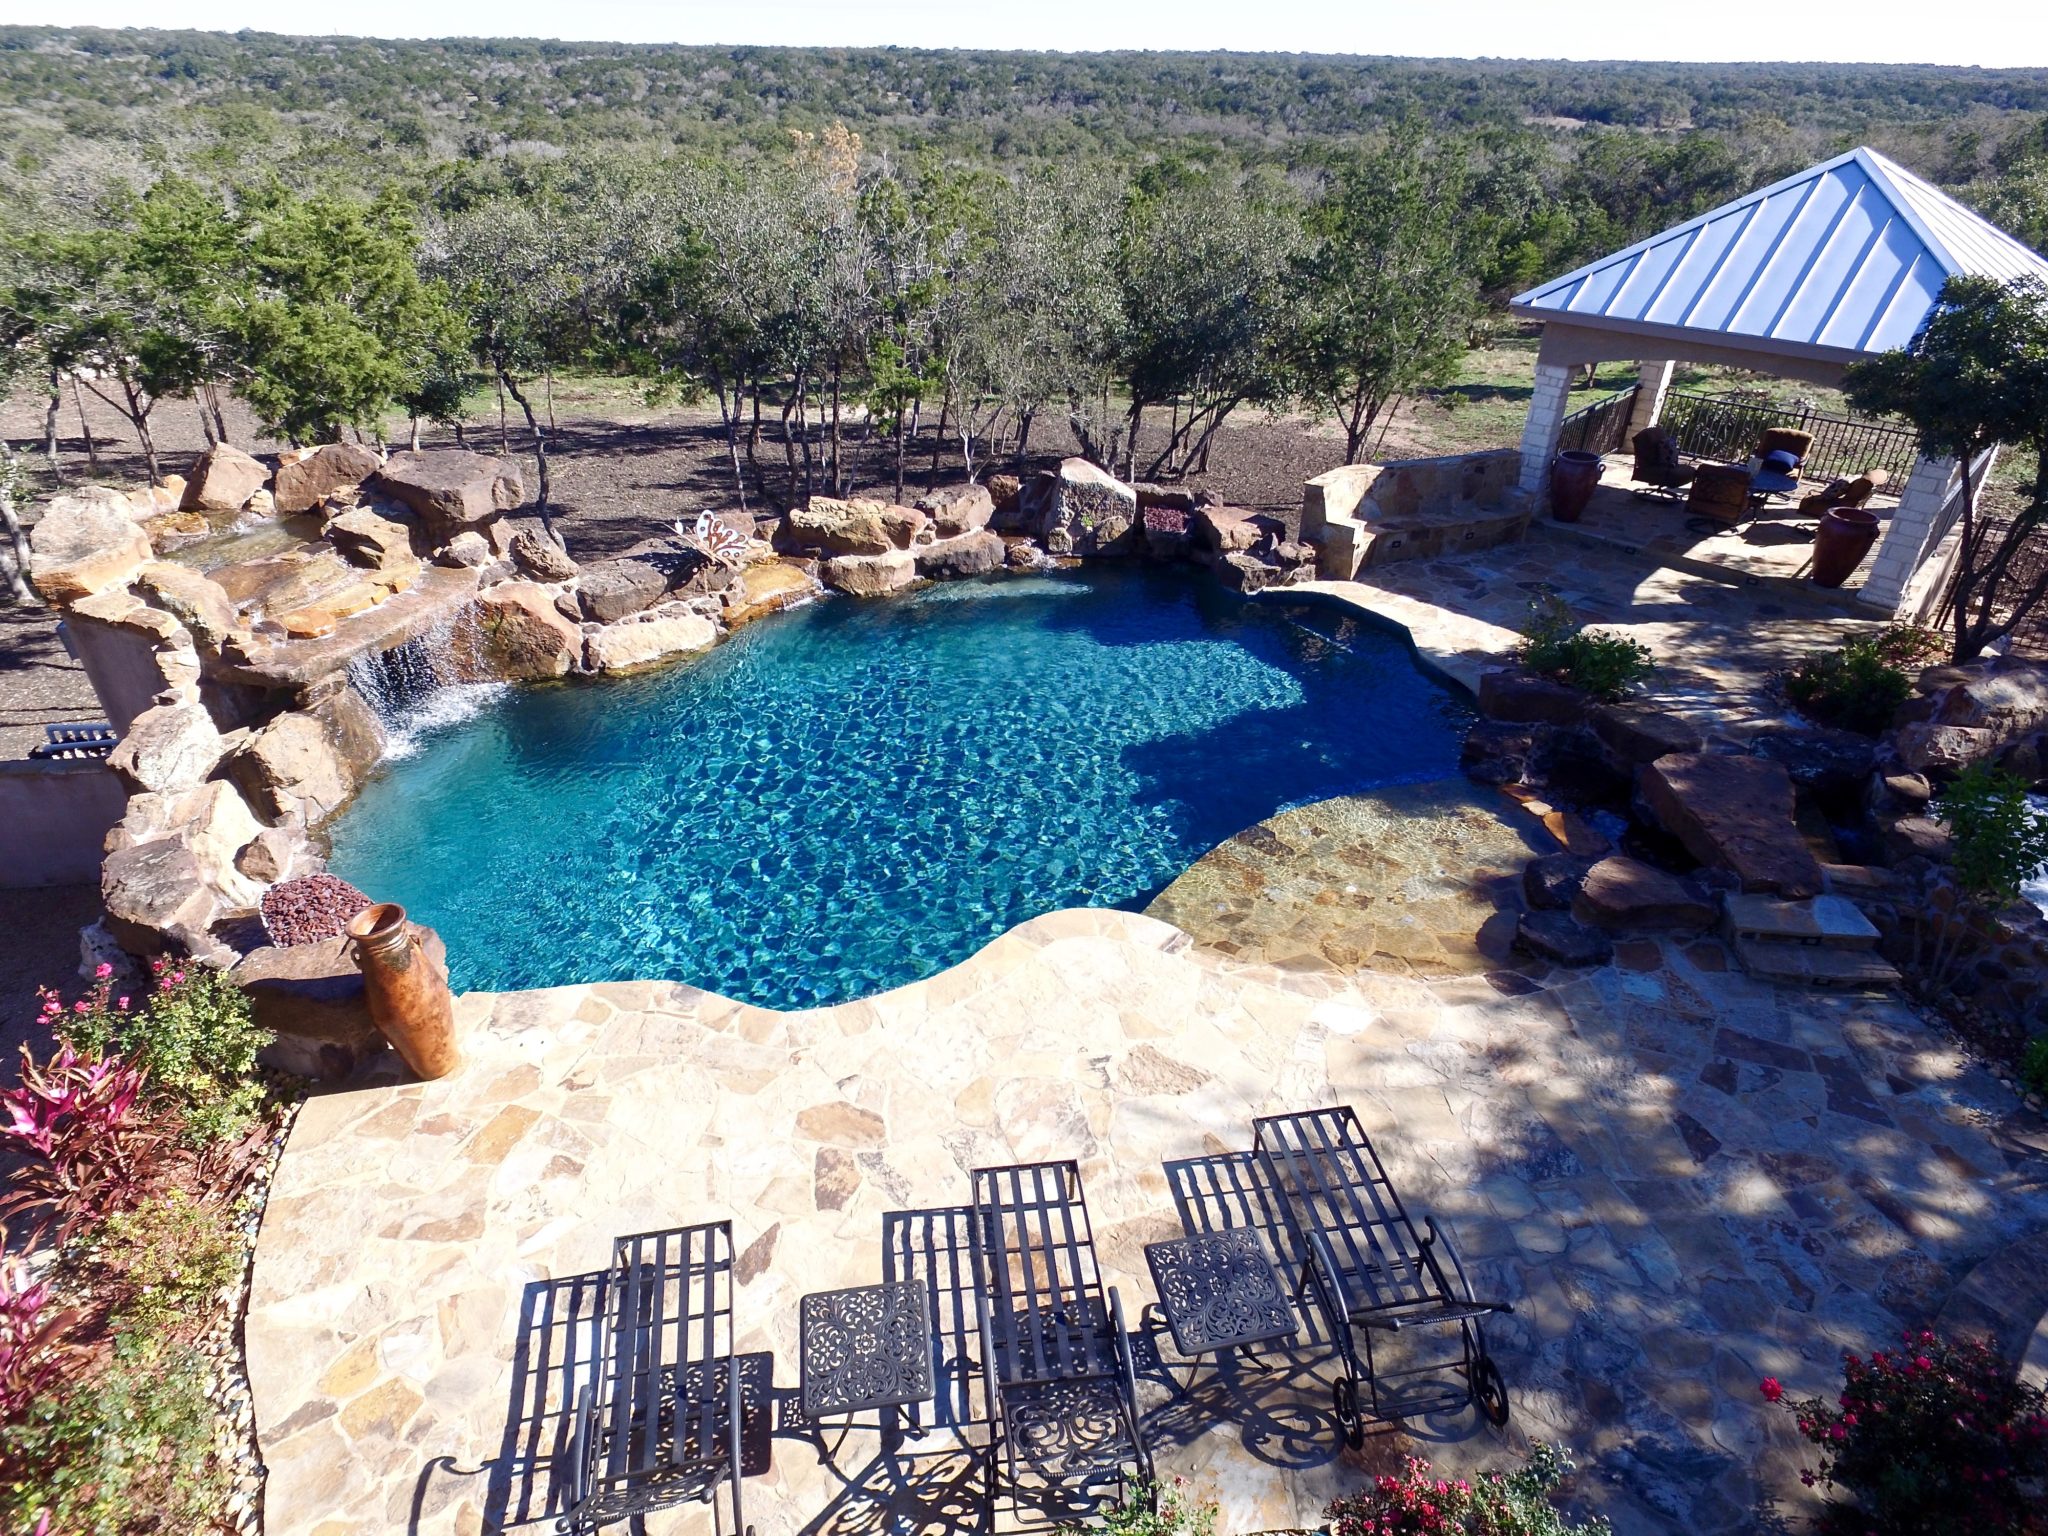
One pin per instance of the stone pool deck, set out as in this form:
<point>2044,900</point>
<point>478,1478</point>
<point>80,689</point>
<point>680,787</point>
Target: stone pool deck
<point>1685,1180</point>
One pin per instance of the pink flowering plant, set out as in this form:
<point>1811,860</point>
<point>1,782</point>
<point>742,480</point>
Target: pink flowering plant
<point>1932,1439</point>
<point>33,1338</point>
<point>88,1147</point>
<point>1418,1501</point>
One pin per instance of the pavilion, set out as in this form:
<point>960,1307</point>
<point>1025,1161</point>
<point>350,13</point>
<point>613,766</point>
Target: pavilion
<point>1840,262</point>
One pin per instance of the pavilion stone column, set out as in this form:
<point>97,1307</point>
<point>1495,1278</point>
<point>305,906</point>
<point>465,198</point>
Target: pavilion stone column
<point>1546,420</point>
<point>1653,382</point>
<point>1905,537</point>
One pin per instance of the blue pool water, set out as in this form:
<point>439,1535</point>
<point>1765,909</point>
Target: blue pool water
<point>854,795</point>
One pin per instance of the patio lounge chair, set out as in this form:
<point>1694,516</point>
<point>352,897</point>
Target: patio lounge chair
<point>674,1414</point>
<point>1844,493</point>
<point>1056,1357</point>
<point>1785,440</point>
<point>1720,491</point>
<point>1657,464</point>
<point>1370,1270</point>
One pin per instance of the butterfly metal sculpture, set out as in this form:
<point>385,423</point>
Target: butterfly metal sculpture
<point>724,545</point>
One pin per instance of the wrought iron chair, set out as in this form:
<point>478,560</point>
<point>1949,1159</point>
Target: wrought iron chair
<point>674,1414</point>
<point>1370,1270</point>
<point>1659,471</point>
<point>1056,1357</point>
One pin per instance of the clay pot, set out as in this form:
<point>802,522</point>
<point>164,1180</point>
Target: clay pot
<point>1839,545</point>
<point>407,992</point>
<point>1573,475</point>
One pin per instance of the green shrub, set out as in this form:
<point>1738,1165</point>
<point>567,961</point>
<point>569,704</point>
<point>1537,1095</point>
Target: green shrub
<point>1860,685</point>
<point>129,1450</point>
<point>1178,1514</point>
<point>2001,841</point>
<point>166,1260</point>
<point>195,1038</point>
<point>2034,1065</point>
<point>1421,1502</point>
<point>1555,645</point>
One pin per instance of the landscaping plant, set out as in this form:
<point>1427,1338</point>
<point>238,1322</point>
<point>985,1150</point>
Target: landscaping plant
<point>1175,1512</point>
<point>2034,1065</point>
<point>2000,842</point>
<point>1555,645</point>
<point>89,1150</point>
<point>1934,1439</point>
<point>1860,686</point>
<point>1417,1502</point>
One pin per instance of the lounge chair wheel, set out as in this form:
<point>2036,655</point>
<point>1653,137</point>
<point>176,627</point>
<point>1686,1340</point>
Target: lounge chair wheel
<point>1345,1402</point>
<point>1490,1391</point>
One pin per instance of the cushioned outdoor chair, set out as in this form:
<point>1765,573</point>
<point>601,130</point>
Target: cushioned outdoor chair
<point>1720,491</point>
<point>1844,493</point>
<point>1785,440</point>
<point>1658,470</point>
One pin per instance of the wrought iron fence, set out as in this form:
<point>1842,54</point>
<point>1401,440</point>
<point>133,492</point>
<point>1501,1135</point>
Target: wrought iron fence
<point>2029,637</point>
<point>1599,427</point>
<point>1728,427</point>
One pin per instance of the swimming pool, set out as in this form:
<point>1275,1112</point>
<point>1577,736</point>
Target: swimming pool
<point>854,795</point>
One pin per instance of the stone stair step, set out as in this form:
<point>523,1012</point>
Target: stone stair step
<point>1814,964</point>
<point>1831,922</point>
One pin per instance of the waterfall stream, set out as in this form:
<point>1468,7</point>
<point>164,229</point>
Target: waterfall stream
<point>408,687</point>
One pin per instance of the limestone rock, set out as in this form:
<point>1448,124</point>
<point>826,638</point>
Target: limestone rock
<point>870,575</point>
<point>274,854</point>
<point>1003,491</point>
<point>958,509</point>
<point>618,589</point>
<point>1497,752</point>
<point>215,823</point>
<point>1078,509</point>
<point>1924,747</point>
<point>153,893</point>
<point>1918,837</point>
<point>1226,530</point>
<point>647,640</point>
<point>170,747</point>
<point>1637,734</point>
<point>1550,882</point>
<point>1562,939</point>
<point>1621,893</point>
<point>451,489</point>
<point>85,544</point>
<point>310,997</point>
<point>303,483</point>
<point>540,557</point>
<point>371,539</point>
<point>766,588</point>
<point>967,554</point>
<point>1023,555</point>
<point>515,634</point>
<point>469,550</point>
<point>194,600</point>
<point>1244,573</point>
<point>290,771</point>
<point>906,526</point>
<point>1733,813</point>
<point>222,479</point>
<point>1829,761</point>
<point>1514,695</point>
<point>836,527</point>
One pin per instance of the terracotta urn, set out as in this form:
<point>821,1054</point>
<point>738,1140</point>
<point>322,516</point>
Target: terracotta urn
<point>1840,543</point>
<point>407,991</point>
<point>1573,475</point>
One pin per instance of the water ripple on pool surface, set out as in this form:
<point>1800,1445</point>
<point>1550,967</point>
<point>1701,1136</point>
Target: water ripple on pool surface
<point>856,795</point>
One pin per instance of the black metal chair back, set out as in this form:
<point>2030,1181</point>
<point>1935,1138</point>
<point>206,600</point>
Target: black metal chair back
<point>1038,1272</point>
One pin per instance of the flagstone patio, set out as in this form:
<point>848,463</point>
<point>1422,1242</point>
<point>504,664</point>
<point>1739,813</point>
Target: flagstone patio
<point>1685,1180</point>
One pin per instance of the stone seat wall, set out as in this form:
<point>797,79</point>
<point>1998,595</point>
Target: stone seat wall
<point>1363,515</point>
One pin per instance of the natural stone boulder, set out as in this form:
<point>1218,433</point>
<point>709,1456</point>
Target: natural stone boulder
<point>1078,509</point>
<point>647,640</point>
<point>1621,893</point>
<point>1733,813</point>
<point>222,479</point>
<point>906,526</point>
<point>1023,555</point>
<point>1550,882</point>
<point>466,551</point>
<point>194,600</point>
<point>765,588</point>
<point>958,509</point>
<point>85,544</point>
<point>274,854</point>
<point>291,772</point>
<point>1830,762</point>
<point>1924,747</point>
<point>310,997</point>
<point>153,891</point>
<point>304,482</point>
<point>967,554</point>
<point>170,747</point>
<point>836,527</point>
<point>1170,497</point>
<point>1636,734</point>
<point>370,539</point>
<point>1561,939</point>
<point>1525,699</point>
<point>870,575</point>
<point>1497,752</point>
<point>540,557</point>
<point>1244,573</point>
<point>451,489</point>
<point>1224,530</point>
<point>215,823</point>
<point>617,589</point>
<point>1003,491</point>
<point>1918,837</point>
<point>515,633</point>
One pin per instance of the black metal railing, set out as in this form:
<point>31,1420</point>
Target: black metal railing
<point>1728,427</point>
<point>1601,426</point>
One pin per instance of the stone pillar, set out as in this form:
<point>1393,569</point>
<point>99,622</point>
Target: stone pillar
<point>1905,537</point>
<point>1547,411</point>
<point>1653,381</point>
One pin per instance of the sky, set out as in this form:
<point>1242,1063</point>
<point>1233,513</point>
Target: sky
<point>1981,32</point>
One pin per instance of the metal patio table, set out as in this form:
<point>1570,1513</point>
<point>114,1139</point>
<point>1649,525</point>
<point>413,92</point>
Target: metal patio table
<point>866,1347</point>
<point>1220,1293</point>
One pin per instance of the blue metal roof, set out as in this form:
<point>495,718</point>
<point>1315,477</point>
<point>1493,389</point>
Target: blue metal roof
<point>1844,258</point>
